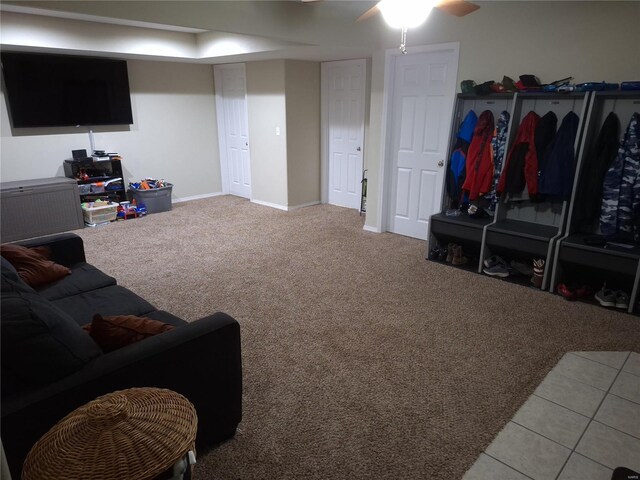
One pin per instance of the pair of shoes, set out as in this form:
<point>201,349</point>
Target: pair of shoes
<point>572,293</point>
<point>538,272</point>
<point>454,254</point>
<point>496,267</point>
<point>610,298</point>
<point>437,253</point>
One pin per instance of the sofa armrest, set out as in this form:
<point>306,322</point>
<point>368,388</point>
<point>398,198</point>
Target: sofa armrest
<point>200,360</point>
<point>66,248</point>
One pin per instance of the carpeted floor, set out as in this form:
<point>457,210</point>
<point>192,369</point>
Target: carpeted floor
<point>361,360</point>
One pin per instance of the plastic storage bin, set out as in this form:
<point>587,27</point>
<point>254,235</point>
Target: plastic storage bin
<point>156,199</point>
<point>96,215</point>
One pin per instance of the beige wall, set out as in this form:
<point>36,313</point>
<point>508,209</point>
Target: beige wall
<point>302,87</point>
<point>174,135</point>
<point>267,112</point>
<point>591,41</point>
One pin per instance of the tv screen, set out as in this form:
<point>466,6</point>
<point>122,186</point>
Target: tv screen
<point>55,90</point>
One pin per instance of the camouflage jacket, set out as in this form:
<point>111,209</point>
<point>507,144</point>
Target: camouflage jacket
<point>620,212</point>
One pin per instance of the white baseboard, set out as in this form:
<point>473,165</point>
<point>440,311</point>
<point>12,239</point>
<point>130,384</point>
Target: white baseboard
<point>310,204</point>
<point>197,197</point>
<point>269,204</point>
<point>367,228</point>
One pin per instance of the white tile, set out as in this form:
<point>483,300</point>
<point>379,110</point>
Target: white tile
<point>610,447</point>
<point>612,359</point>
<point>487,467</point>
<point>633,364</point>
<point>570,393</point>
<point>620,414</point>
<point>528,452</point>
<point>586,371</point>
<point>552,421</point>
<point>581,468</point>
<point>627,386</point>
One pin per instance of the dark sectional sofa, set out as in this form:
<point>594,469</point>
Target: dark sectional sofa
<point>50,366</point>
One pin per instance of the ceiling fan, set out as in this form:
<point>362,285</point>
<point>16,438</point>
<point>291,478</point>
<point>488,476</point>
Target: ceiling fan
<point>405,14</point>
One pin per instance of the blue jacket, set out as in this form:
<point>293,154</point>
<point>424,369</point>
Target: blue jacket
<point>556,178</point>
<point>456,172</point>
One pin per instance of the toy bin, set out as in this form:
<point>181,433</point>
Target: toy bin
<point>96,215</point>
<point>155,199</point>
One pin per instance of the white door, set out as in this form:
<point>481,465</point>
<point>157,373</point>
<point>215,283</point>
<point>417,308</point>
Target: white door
<point>422,102</point>
<point>346,96</point>
<point>233,128</point>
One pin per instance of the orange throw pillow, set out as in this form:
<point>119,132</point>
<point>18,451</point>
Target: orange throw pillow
<point>33,264</point>
<point>114,332</point>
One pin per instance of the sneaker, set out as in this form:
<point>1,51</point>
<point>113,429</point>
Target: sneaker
<point>500,269</point>
<point>622,299</point>
<point>458,258</point>
<point>434,253</point>
<point>566,292</point>
<point>606,297</point>
<point>491,261</point>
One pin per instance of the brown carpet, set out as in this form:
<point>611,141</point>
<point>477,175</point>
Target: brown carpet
<point>360,358</point>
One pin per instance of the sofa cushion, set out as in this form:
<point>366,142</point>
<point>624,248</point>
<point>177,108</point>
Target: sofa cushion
<point>111,300</point>
<point>32,264</point>
<point>84,278</point>
<point>40,344</point>
<point>114,332</point>
<point>166,317</point>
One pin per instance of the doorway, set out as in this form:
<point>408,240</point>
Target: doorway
<point>421,94</point>
<point>344,90</point>
<point>233,129</point>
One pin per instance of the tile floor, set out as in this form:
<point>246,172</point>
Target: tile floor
<point>581,422</point>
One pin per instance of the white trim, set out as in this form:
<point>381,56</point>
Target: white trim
<point>387,96</point>
<point>269,204</point>
<point>197,197</point>
<point>368,228</point>
<point>303,205</point>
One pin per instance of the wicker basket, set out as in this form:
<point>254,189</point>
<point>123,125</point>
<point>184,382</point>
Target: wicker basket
<point>129,434</point>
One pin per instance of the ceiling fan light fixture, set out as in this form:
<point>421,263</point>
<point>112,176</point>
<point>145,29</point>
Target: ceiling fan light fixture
<point>406,13</point>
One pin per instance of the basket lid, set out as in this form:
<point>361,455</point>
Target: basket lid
<point>136,433</point>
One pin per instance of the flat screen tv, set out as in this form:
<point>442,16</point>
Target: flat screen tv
<point>59,90</point>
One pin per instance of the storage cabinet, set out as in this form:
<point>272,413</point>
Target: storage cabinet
<point>523,228</point>
<point>463,229</point>
<point>31,208</point>
<point>97,179</point>
<point>577,256</point>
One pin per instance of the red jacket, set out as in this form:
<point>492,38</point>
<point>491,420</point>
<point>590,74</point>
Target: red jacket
<point>480,158</point>
<point>522,155</point>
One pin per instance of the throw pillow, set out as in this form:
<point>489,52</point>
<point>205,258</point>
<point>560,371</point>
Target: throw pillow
<point>114,332</point>
<point>33,264</point>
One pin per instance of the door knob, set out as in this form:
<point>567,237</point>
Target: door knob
<point>358,149</point>
<point>441,163</point>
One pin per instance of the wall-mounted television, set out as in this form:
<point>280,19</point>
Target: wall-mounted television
<point>45,90</point>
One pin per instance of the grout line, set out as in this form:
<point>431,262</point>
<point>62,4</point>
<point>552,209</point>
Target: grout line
<point>507,465</point>
<point>623,398</point>
<point>591,460</point>
<point>591,420</point>
<point>577,354</point>
<point>541,435</point>
<point>571,378</point>
<point>616,429</point>
<point>559,405</point>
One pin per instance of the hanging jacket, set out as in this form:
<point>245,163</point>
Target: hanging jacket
<point>598,161</point>
<point>545,131</point>
<point>497,144</point>
<point>457,164</point>
<point>620,210</point>
<point>556,179</point>
<point>480,158</point>
<point>521,166</point>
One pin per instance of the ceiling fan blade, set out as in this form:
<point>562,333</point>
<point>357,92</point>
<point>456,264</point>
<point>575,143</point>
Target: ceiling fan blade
<point>368,14</point>
<point>459,8</point>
